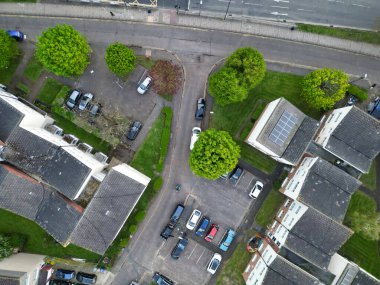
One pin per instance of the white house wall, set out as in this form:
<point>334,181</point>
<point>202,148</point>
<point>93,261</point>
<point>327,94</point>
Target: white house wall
<point>257,275</point>
<point>331,122</point>
<point>293,215</point>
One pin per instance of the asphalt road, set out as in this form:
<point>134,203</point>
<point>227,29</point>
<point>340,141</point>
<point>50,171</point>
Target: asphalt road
<point>352,13</point>
<point>188,44</point>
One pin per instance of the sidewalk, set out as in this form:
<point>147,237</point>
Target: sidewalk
<point>169,17</point>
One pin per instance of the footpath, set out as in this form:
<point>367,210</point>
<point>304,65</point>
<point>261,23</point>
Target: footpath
<point>207,21</point>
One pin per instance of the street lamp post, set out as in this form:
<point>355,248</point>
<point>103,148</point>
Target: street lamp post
<point>200,7</point>
<point>228,7</point>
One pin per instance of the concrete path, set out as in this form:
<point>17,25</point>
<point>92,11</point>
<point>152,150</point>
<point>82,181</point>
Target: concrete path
<point>169,17</point>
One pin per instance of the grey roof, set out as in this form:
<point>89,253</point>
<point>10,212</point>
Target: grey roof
<point>263,137</point>
<point>107,212</point>
<point>321,231</point>
<point>57,217</point>
<point>307,251</point>
<point>10,118</point>
<point>10,277</point>
<point>356,139</point>
<point>363,278</point>
<point>301,140</point>
<point>46,160</point>
<point>328,189</point>
<point>291,272</point>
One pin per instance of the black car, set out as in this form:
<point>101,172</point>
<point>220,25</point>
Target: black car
<point>167,232</point>
<point>60,282</point>
<point>64,274</point>
<point>160,279</point>
<point>236,174</point>
<point>179,247</point>
<point>201,109</point>
<point>86,278</point>
<point>134,131</point>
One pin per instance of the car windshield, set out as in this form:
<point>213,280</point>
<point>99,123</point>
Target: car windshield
<point>72,101</point>
<point>214,264</point>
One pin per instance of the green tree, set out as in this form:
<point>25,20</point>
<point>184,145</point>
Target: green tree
<point>8,49</point>
<point>324,87</point>
<point>120,59</point>
<point>249,65</point>
<point>5,247</point>
<point>63,50</point>
<point>224,86</point>
<point>214,154</point>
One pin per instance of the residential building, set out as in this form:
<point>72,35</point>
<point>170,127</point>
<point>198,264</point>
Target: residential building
<point>22,269</point>
<point>283,132</point>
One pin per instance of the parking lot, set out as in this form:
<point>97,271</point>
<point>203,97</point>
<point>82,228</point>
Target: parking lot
<point>226,204</point>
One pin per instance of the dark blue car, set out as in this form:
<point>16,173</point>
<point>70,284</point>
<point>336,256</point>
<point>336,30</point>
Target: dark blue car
<point>17,35</point>
<point>202,226</point>
<point>64,274</point>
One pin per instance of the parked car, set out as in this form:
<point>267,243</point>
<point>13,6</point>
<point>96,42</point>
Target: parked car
<point>202,226</point>
<point>86,99</point>
<point>17,35</point>
<point>256,190</point>
<point>179,247</point>
<point>194,136</point>
<point>224,176</point>
<point>144,86</point>
<point>134,283</point>
<point>86,278</point>
<point>212,232</point>
<point>201,109</point>
<point>3,87</point>
<point>351,100</point>
<point>236,174</point>
<point>60,282</point>
<point>227,239</point>
<point>134,130</point>
<point>214,263</point>
<point>64,274</point>
<point>374,108</point>
<point>74,98</point>
<point>194,218</point>
<point>167,232</point>
<point>161,279</point>
<point>174,218</point>
<point>95,109</point>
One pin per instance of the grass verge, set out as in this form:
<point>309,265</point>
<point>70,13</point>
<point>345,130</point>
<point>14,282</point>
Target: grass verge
<point>343,33</point>
<point>6,75</point>
<point>49,91</point>
<point>269,208</point>
<point>233,117</point>
<point>369,180</point>
<point>231,273</point>
<point>34,69</point>
<point>37,240</point>
<point>148,63</point>
<point>149,160</point>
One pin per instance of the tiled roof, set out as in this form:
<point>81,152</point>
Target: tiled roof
<point>363,278</point>
<point>356,139</point>
<point>328,189</point>
<point>107,212</point>
<point>10,118</point>
<point>301,140</point>
<point>46,160</point>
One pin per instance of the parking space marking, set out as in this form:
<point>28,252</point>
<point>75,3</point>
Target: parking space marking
<point>196,245</point>
<point>204,249</point>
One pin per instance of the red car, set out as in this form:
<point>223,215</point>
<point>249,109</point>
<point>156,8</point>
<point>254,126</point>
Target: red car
<point>212,232</point>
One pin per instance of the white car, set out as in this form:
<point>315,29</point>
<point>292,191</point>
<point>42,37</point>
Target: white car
<point>256,190</point>
<point>214,263</point>
<point>144,86</point>
<point>194,137</point>
<point>194,218</point>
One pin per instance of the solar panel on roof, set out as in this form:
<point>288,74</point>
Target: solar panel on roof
<point>283,127</point>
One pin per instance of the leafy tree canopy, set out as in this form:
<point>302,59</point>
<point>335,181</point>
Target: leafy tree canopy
<point>120,59</point>
<point>5,247</point>
<point>63,50</point>
<point>214,154</point>
<point>249,65</point>
<point>324,87</point>
<point>8,49</point>
<point>224,86</point>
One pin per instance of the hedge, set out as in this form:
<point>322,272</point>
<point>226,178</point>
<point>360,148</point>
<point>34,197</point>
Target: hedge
<point>358,92</point>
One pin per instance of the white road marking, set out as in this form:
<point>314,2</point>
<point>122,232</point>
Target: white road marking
<point>278,14</point>
<point>254,4</point>
<point>280,7</point>
<point>305,10</point>
<point>226,1</point>
<point>200,256</point>
<point>336,1</point>
<point>285,1</point>
<point>359,5</point>
<point>192,251</point>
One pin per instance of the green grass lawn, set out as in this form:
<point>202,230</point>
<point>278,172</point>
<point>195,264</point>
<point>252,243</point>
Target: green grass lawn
<point>369,180</point>
<point>232,117</point>
<point>146,62</point>
<point>343,33</point>
<point>269,208</point>
<point>231,272</point>
<point>38,241</point>
<point>49,91</point>
<point>34,69</point>
<point>6,75</point>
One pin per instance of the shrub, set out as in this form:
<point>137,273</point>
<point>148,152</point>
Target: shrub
<point>140,216</point>
<point>132,229</point>
<point>8,49</point>
<point>120,59</point>
<point>358,92</point>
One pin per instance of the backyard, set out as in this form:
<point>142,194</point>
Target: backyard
<point>239,118</point>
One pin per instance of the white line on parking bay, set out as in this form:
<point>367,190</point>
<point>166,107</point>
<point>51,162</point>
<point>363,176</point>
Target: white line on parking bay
<point>360,5</point>
<point>227,1</point>
<point>200,256</point>
<point>192,251</point>
<point>280,7</point>
<point>336,1</point>
<point>254,4</point>
<point>305,10</point>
